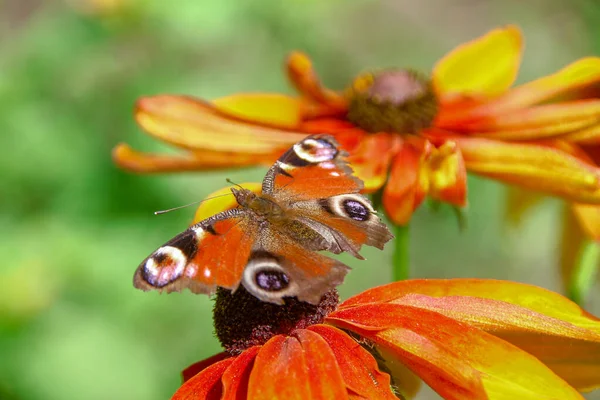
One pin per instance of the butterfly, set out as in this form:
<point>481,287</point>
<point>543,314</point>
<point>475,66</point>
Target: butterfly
<point>270,242</point>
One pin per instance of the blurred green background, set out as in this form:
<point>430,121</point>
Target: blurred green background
<point>74,227</point>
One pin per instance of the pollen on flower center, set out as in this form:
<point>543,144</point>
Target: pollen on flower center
<point>242,320</point>
<point>400,101</point>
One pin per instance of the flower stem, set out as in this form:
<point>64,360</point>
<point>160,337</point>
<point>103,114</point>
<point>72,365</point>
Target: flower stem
<point>584,274</point>
<point>401,257</point>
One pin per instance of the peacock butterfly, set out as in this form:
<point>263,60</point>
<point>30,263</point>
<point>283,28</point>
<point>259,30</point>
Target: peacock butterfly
<point>310,201</point>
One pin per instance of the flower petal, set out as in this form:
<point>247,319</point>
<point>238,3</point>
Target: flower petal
<point>484,67</point>
<point>541,322</point>
<point>199,366</point>
<point>371,160</point>
<point>589,135</point>
<point>581,73</point>
<point>537,167</point>
<point>402,194</point>
<point>236,376</point>
<point>457,360</point>
<point>572,239</point>
<point>222,201</point>
<point>359,369</point>
<point>301,73</point>
<point>285,369</point>
<point>327,382</point>
<point>518,202</point>
<point>198,160</point>
<point>443,175</point>
<point>194,124</point>
<point>271,109</point>
<point>536,122</point>
<point>206,385</point>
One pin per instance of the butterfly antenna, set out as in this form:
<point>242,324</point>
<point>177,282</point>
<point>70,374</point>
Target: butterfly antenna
<point>233,183</point>
<point>191,204</point>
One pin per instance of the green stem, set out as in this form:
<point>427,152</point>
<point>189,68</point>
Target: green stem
<point>401,257</point>
<point>584,274</point>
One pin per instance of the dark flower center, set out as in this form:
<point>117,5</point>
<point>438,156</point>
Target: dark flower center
<point>400,101</point>
<point>242,321</point>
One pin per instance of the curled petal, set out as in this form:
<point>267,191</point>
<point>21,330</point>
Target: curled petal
<point>402,194</point>
<point>371,160</point>
<point>457,360</point>
<point>194,124</point>
<point>236,376</point>
<point>484,67</point>
<point>222,200</point>
<point>359,369</point>
<point>443,174</point>
<point>198,160</point>
<point>271,109</point>
<point>581,73</point>
<point>206,385</point>
<point>536,167</point>
<point>301,73</point>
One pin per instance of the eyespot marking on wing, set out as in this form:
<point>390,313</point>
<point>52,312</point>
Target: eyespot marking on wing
<point>266,279</point>
<point>312,151</point>
<point>352,206</point>
<point>164,266</point>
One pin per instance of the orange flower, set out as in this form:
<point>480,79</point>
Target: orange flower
<point>408,135</point>
<point>466,338</point>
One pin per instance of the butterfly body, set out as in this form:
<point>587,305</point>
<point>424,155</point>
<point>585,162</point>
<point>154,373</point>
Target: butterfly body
<point>309,202</point>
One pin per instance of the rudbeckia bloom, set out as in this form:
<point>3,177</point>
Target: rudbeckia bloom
<point>407,134</point>
<point>465,338</point>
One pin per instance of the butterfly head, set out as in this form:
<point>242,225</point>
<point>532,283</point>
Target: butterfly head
<point>244,197</point>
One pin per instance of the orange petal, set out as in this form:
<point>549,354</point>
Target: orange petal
<point>589,219</point>
<point>581,73</point>
<point>194,124</point>
<point>536,167</point>
<point>457,360</point>
<point>301,73</point>
<point>371,160</point>
<point>272,109</point>
<point>205,385</point>
<point>223,200</point>
<point>484,67</point>
<point>588,136</point>
<point>236,376</point>
<point>359,369</point>
<point>195,368</point>
<point>285,369</point>
<point>543,323</point>
<point>127,158</point>
<point>327,380</point>
<point>402,195</point>
<point>538,121</point>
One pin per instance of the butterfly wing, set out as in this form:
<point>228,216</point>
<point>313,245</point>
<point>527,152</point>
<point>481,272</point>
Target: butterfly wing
<point>211,253</point>
<point>284,268</point>
<point>313,181</point>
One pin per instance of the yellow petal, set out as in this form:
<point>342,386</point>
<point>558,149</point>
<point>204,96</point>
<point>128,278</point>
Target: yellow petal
<point>301,73</point>
<point>588,216</point>
<point>270,109</point>
<point>484,67</point>
<point>134,161</point>
<point>535,167</point>
<point>222,200</point>
<point>589,135</point>
<point>571,241</point>
<point>197,125</point>
<point>581,73</point>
